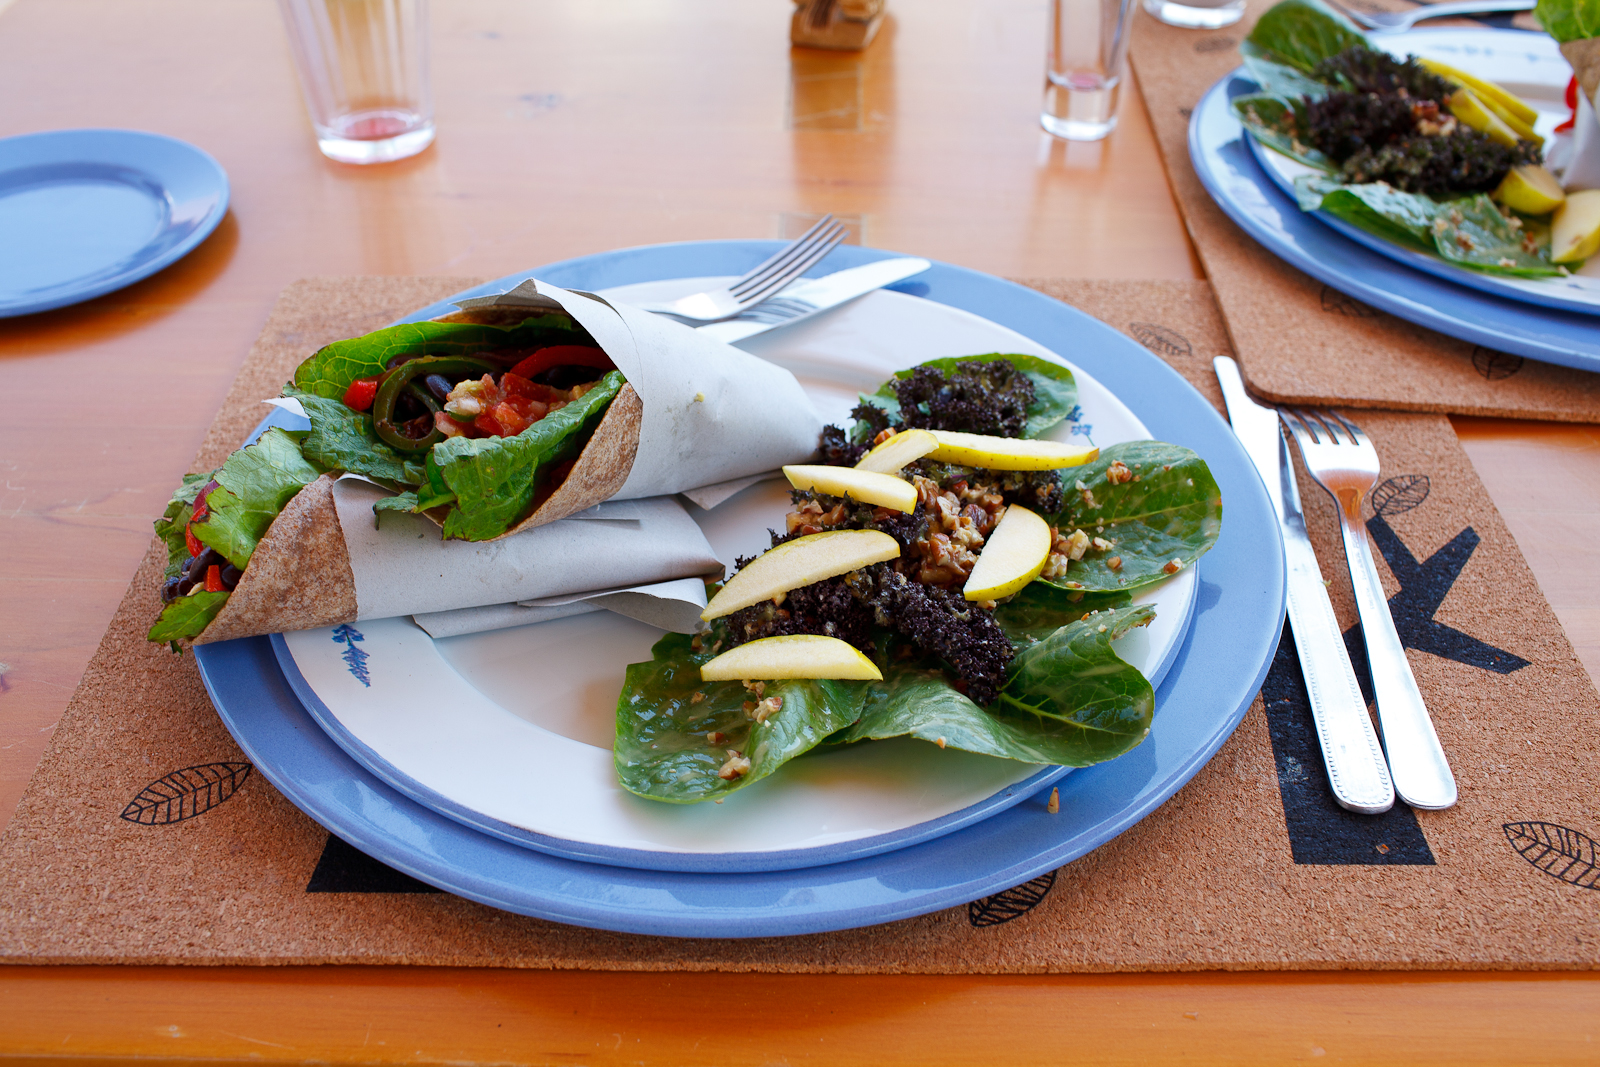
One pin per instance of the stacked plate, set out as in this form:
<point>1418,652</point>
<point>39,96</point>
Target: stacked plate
<point>1548,319</point>
<point>481,764</point>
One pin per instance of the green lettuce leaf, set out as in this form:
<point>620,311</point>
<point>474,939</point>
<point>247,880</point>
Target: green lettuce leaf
<point>179,511</point>
<point>1276,123</point>
<point>1277,78</point>
<point>1174,511</point>
<point>1055,394</point>
<point>184,618</point>
<point>253,486</point>
<point>330,371</point>
<point>1569,20</point>
<point>1300,34</point>
<point>663,748</point>
<point>1469,231</point>
<point>341,438</point>
<point>1069,699</point>
<point>1041,609</point>
<point>495,479</point>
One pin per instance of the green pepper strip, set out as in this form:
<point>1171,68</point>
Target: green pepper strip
<point>397,380</point>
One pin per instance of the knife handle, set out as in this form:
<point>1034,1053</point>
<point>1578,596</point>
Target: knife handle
<point>1357,770</point>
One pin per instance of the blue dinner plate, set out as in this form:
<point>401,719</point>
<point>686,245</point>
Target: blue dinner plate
<point>1216,674</point>
<point>86,212</point>
<point>1236,181</point>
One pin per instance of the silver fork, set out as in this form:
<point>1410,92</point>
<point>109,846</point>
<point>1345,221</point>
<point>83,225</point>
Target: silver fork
<point>1343,461</point>
<point>767,278</point>
<point>1391,22</point>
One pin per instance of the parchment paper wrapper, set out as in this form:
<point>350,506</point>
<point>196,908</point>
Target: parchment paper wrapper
<point>328,560</point>
<point>706,412</point>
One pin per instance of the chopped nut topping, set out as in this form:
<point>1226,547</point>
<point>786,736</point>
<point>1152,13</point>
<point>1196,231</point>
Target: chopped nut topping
<point>1118,473</point>
<point>736,767</point>
<point>1100,544</point>
<point>716,737</point>
<point>1172,566</point>
<point>1115,563</point>
<point>768,707</point>
<point>696,697</point>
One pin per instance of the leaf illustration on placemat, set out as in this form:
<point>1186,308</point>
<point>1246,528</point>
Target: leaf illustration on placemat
<point>1333,300</point>
<point>185,793</point>
<point>1495,365</point>
<point>1161,340</point>
<point>1018,900</point>
<point>1400,493</point>
<point>1559,851</point>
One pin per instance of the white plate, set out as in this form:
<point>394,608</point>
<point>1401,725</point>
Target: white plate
<point>1527,64</point>
<point>510,731</point>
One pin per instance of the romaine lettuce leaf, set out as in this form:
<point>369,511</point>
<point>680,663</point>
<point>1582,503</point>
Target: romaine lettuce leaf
<point>670,746</point>
<point>1055,394</point>
<point>179,511</point>
<point>330,371</point>
<point>1278,78</point>
<point>341,438</point>
<point>496,479</point>
<point>1069,699</point>
<point>1302,33</point>
<point>1469,231</point>
<point>186,617</point>
<point>1173,511</point>
<point>1276,123</point>
<point>1569,20</point>
<point>253,486</point>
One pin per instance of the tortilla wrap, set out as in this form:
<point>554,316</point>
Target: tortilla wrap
<point>325,561</point>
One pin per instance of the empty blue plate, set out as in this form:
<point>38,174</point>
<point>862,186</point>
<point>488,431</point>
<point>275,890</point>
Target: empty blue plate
<point>86,212</point>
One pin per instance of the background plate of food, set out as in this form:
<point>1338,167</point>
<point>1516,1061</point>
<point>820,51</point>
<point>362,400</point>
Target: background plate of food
<point>1225,162</point>
<point>1449,182</point>
<point>1218,667</point>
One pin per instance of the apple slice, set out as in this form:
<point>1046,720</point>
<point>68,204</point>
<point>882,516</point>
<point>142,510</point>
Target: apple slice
<point>1488,91</point>
<point>1470,111</point>
<point>1009,453</point>
<point>1530,189</point>
<point>791,656</point>
<point>869,487</point>
<point>898,450</point>
<point>1575,228</point>
<point>1012,557</point>
<point>800,562</point>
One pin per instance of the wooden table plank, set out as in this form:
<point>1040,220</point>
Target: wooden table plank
<point>436,1015</point>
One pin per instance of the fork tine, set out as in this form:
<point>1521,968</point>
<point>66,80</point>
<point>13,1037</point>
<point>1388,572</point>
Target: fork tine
<point>797,267</point>
<point>1298,425</point>
<point>783,253</point>
<point>786,255</point>
<point>783,266</point>
<point>1355,432</point>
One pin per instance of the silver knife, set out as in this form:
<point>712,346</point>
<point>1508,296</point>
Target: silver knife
<point>1356,766</point>
<point>809,296</point>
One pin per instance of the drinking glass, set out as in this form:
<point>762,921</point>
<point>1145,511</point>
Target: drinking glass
<point>1086,64</point>
<point>363,67</point>
<point>1197,14</point>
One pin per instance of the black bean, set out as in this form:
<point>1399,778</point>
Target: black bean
<point>229,575</point>
<point>171,590</point>
<point>438,385</point>
<point>195,570</point>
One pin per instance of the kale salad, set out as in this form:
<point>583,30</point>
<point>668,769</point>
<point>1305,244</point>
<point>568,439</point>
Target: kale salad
<point>1031,675</point>
<point>1414,151</point>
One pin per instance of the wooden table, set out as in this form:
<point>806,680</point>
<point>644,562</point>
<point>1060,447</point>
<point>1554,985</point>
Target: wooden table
<point>569,127</point>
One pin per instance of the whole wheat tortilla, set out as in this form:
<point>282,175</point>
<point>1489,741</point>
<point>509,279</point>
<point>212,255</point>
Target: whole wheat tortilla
<point>299,577</point>
<point>1584,56</point>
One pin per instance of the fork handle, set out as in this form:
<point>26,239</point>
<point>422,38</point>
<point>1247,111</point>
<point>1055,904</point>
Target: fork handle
<point>1417,763</point>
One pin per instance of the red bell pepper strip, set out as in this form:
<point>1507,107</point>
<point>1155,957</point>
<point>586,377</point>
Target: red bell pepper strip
<point>563,355</point>
<point>214,578</point>
<point>361,393</point>
<point>1572,102</point>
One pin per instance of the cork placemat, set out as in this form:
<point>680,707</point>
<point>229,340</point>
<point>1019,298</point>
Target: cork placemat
<point>1298,340</point>
<point>145,836</point>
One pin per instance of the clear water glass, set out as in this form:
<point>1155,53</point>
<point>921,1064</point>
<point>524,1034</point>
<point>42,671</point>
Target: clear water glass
<point>1197,14</point>
<point>1087,62</point>
<point>363,67</point>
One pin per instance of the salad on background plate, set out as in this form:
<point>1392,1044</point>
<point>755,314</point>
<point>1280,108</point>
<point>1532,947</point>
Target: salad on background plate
<point>1423,155</point>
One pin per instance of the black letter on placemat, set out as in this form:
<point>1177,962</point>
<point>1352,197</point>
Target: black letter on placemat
<point>344,868</point>
<point>1320,831</point>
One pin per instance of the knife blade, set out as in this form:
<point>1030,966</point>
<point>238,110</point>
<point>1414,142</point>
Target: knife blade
<point>1357,769</point>
<point>809,296</point>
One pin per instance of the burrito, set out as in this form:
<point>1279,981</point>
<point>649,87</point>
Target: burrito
<point>505,416</point>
